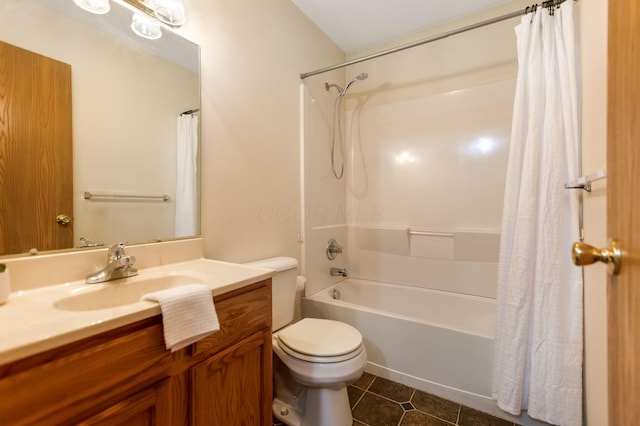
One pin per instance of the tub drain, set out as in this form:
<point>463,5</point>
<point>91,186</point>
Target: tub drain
<point>335,294</point>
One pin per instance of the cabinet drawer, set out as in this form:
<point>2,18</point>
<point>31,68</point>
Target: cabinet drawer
<point>73,382</point>
<point>240,314</point>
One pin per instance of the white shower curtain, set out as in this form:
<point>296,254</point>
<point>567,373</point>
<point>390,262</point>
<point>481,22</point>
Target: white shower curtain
<point>538,352</point>
<point>187,183</point>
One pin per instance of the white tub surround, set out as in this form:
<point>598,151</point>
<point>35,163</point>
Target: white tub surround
<point>455,261</point>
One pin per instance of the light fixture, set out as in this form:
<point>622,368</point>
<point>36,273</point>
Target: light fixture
<point>145,26</point>
<point>171,12</point>
<point>99,7</point>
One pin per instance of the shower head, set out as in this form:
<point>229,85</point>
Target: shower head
<point>361,76</point>
<point>341,91</point>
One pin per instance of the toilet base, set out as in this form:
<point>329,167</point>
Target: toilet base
<point>285,413</point>
<point>322,407</point>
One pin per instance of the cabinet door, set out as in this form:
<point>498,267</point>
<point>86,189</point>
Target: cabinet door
<point>83,377</point>
<point>232,387</point>
<point>137,410</point>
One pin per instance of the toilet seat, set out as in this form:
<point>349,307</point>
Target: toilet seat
<point>320,340</point>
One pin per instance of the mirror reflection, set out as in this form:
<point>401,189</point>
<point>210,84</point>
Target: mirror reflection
<point>94,145</point>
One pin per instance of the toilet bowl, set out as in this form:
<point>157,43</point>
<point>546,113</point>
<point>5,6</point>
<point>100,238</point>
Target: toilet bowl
<point>316,359</point>
<point>322,357</point>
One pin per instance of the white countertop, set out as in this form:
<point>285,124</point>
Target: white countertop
<point>31,323</point>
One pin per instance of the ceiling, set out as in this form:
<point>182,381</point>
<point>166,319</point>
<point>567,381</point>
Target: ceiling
<point>355,24</point>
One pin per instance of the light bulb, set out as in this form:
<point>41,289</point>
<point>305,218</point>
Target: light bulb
<point>145,26</point>
<point>170,12</point>
<point>99,7</point>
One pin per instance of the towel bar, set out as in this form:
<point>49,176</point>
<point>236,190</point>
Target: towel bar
<point>584,182</point>
<point>90,195</point>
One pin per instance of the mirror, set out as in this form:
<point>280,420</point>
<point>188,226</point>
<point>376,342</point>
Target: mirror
<point>127,97</point>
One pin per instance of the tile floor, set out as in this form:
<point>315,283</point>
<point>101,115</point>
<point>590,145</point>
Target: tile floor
<point>380,402</point>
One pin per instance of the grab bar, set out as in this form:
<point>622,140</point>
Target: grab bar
<point>162,197</point>
<point>431,234</point>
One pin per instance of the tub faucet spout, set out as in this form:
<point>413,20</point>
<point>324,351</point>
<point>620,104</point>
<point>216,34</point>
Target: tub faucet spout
<point>338,272</point>
<point>118,266</point>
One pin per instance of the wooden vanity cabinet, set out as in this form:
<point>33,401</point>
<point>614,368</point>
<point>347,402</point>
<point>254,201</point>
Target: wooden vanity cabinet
<point>239,370</point>
<point>140,409</point>
<point>127,377</point>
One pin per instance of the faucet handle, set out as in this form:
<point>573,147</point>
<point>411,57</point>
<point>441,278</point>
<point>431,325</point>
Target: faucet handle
<point>116,251</point>
<point>86,242</point>
<point>333,248</point>
<point>128,262</point>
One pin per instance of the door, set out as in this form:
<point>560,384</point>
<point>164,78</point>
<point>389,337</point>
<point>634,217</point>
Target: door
<point>36,178</point>
<point>623,210</point>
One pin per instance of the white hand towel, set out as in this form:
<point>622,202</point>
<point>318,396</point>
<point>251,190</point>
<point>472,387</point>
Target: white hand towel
<point>188,314</point>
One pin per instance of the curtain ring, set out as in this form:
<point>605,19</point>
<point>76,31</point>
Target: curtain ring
<point>533,10</point>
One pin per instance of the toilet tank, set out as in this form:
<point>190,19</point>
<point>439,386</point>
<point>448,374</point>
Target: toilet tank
<point>283,289</point>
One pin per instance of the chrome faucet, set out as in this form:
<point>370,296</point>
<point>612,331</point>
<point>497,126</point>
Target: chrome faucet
<point>118,266</point>
<point>338,272</point>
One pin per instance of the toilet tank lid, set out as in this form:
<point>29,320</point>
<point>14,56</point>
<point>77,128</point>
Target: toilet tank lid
<point>280,263</point>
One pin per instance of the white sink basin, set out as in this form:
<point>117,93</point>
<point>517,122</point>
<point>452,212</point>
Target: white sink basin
<point>45,317</point>
<point>117,293</point>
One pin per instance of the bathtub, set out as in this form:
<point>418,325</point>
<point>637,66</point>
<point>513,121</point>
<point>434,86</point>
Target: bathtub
<point>435,341</point>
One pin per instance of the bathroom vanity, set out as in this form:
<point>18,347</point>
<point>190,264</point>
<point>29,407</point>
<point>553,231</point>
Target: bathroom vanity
<point>125,375</point>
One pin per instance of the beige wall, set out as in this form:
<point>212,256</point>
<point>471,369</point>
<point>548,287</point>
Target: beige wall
<point>252,54</point>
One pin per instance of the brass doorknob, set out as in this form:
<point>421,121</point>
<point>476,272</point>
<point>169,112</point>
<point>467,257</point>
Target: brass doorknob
<point>584,254</point>
<point>63,219</point>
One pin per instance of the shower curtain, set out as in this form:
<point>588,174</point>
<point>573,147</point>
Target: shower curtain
<point>187,183</point>
<point>538,353</point>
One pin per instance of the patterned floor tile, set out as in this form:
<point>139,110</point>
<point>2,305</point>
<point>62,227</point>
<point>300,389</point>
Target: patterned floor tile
<point>354,395</point>
<point>392,390</point>
<point>471,417</point>
<point>436,406</point>
<point>418,418</point>
<point>377,411</point>
<point>372,403</point>
<point>364,381</point>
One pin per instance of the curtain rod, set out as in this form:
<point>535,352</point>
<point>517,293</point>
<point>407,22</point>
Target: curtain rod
<point>547,4</point>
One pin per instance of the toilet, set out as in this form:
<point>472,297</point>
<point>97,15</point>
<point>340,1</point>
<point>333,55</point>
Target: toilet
<point>316,359</point>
